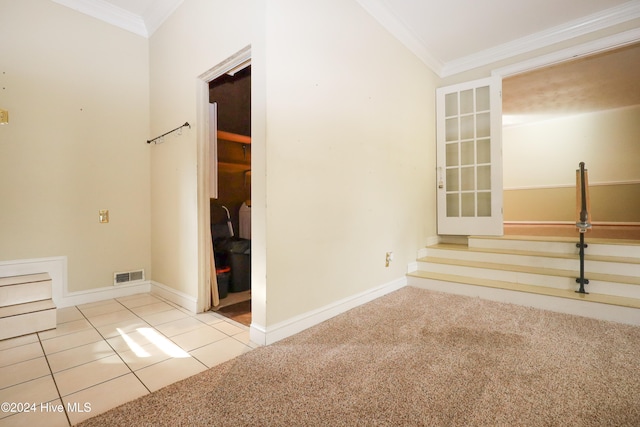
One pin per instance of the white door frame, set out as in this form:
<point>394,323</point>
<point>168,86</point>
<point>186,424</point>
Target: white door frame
<point>204,169</point>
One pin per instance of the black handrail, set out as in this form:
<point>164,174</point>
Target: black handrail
<point>583,225</point>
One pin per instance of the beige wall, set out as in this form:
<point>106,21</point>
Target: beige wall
<point>609,203</point>
<point>350,155</point>
<point>342,149</point>
<point>77,93</point>
<point>547,153</point>
<point>198,36</point>
<point>540,161</point>
<point>343,128</point>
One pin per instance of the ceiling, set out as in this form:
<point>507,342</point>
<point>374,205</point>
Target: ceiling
<point>596,82</point>
<point>458,35</point>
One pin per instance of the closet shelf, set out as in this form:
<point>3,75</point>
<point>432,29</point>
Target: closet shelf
<point>233,167</point>
<point>234,137</point>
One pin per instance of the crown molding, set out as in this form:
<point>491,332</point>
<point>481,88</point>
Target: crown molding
<point>143,26</point>
<point>600,45</point>
<point>579,27</point>
<point>583,26</point>
<point>109,13</point>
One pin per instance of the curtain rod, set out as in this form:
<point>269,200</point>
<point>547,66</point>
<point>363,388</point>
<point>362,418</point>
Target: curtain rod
<point>167,133</point>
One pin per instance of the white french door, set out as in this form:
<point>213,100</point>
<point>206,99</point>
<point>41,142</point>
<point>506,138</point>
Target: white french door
<point>469,158</point>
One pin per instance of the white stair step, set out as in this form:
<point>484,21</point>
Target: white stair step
<point>627,266</point>
<point>27,288</point>
<point>624,286</point>
<point>604,247</point>
<point>22,319</point>
<point>615,308</point>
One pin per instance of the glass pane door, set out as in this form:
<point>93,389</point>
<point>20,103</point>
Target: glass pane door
<point>469,158</point>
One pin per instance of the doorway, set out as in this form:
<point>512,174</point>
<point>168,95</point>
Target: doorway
<point>230,204</point>
<point>557,116</point>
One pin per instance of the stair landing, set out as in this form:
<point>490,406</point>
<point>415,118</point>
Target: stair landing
<point>538,272</point>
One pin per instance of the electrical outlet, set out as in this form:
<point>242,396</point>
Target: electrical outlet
<point>4,117</point>
<point>103,216</point>
<point>388,259</point>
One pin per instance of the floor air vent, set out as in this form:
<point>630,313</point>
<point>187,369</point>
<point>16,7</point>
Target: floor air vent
<point>128,277</point>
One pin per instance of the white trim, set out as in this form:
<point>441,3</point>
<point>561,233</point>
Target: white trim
<point>270,334</point>
<point>240,58</point>
<point>104,293</point>
<point>551,186</point>
<point>108,13</point>
<point>204,169</point>
<point>56,267</point>
<point>562,33</point>
<point>433,240</point>
<point>413,266</point>
<point>174,296</point>
<point>143,26</point>
<point>599,223</point>
<point>579,27</point>
<point>589,48</point>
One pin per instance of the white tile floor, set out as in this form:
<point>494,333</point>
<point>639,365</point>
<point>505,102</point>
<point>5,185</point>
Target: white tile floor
<point>107,353</point>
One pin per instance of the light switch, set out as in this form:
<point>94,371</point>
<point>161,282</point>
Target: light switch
<point>104,216</point>
<point>4,117</point>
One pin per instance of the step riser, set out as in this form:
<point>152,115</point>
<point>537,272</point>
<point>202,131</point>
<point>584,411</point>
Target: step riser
<point>519,245</point>
<point>581,308</point>
<point>591,266</point>
<point>558,282</point>
<point>27,323</point>
<point>25,292</point>
<point>600,249</point>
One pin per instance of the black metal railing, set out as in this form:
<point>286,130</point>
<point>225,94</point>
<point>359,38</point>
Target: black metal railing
<point>583,225</point>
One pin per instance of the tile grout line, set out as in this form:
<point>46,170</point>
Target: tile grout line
<point>55,383</point>
<point>93,385</point>
<point>142,320</point>
<point>115,351</point>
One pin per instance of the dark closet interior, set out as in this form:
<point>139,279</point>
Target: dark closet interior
<point>230,211</point>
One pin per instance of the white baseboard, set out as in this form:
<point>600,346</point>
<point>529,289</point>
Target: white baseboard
<point>433,240</point>
<point>413,266</point>
<point>100,294</point>
<point>175,296</point>
<point>270,334</point>
<point>57,269</point>
<point>422,252</point>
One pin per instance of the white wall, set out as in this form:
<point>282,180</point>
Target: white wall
<point>77,93</point>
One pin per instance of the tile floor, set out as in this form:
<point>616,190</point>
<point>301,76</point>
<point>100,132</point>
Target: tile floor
<point>107,353</point>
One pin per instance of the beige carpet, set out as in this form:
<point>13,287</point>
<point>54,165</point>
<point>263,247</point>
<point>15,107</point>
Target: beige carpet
<point>416,358</point>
